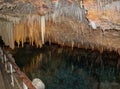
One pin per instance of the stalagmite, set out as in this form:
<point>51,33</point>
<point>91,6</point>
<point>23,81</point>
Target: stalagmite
<point>43,29</point>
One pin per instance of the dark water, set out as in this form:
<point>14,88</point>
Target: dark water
<point>66,68</point>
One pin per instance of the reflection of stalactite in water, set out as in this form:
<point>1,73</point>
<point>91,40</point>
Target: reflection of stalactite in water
<point>36,61</point>
<point>118,64</point>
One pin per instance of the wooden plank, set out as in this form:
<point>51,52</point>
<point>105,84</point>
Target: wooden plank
<point>2,85</point>
<point>5,77</point>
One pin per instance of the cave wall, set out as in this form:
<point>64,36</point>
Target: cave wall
<point>103,14</point>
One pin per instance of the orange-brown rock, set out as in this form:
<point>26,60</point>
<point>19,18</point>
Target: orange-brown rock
<point>104,14</point>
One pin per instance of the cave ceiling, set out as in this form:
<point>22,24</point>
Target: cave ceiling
<point>31,18</point>
<point>99,13</point>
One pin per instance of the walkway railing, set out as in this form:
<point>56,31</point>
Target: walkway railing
<point>11,66</point>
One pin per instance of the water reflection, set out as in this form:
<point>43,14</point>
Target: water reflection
<point>63,68</point>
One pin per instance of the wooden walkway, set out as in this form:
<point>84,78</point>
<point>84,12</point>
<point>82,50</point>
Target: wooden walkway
<point>2,84</point>
<point>5,79</point>
<point>11,76</point>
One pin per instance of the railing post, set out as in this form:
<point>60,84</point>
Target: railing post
<point>1,55</point>
<point>24,86</point>
<point>2,59</point>
<point>5,61</point>
<point>11,72</point>
<point>9,63</point>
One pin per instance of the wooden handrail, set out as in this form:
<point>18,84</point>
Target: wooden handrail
<point>22,76</point>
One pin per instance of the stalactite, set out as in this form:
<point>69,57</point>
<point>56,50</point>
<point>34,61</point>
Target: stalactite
<point>42,28</point>
<point>23,33</point>
<point>32,26</point>
<point>11,36</point>
<point>34,29</point>
<point>78,45</point>
<point>65,8</point>
<point>37,36</point>
<point>72,44</point>
<point>18,30</point>
<point>6,32</point>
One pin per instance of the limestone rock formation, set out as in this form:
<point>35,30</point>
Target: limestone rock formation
<point>103,14</point>
<point>65,22</point>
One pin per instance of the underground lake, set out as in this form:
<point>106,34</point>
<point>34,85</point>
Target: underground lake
<point>70,68</point>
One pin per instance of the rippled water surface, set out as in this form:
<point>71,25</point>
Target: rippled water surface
<point>66,68</point>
